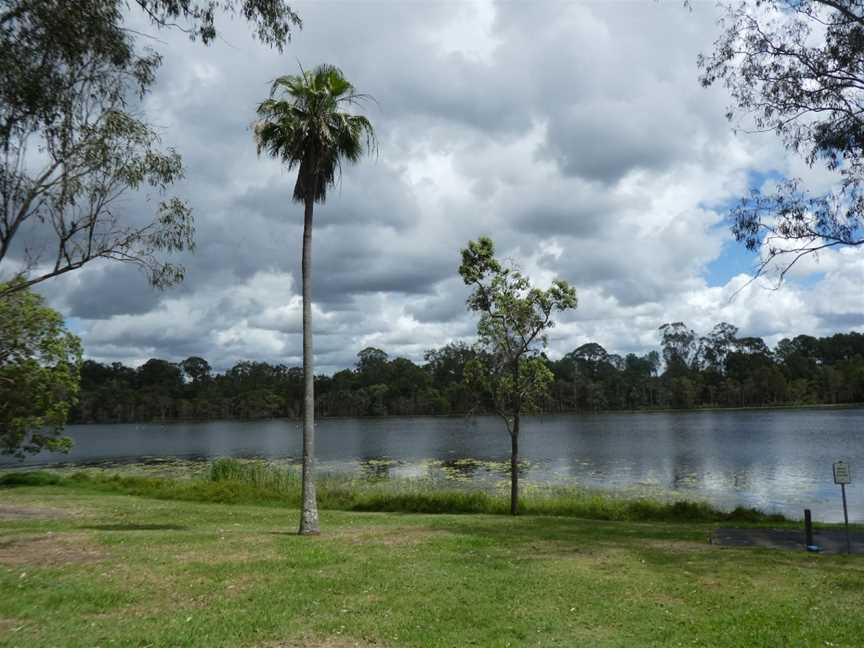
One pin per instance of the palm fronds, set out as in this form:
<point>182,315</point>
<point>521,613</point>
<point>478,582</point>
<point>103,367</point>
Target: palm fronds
<point>303,124</point>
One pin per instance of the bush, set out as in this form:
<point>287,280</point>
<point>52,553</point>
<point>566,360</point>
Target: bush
<point>31,478</point>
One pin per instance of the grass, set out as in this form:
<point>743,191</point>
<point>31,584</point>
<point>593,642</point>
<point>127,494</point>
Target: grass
<point>84,565</point>
<point>257,482</point>
<point>437,496</point>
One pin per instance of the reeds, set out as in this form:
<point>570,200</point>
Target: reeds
<point>258,482</point>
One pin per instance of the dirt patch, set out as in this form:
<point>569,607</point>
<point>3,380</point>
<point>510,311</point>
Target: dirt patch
<point>225,556</point>
<point>554,550</point>
<point>49,549</point>
<point>18,512</point>
<point>327,642</point>
<point>233,547</point>
<point>678,546</point>
<point>10,625</point>
<point>387,536</point>
<point>590,554</point>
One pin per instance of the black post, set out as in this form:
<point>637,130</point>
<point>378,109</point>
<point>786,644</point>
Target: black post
<point>846,519</point>
<point>808,529</point>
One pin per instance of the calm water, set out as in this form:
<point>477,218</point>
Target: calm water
<point>775,460</point>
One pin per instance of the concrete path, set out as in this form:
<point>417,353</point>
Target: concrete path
<point>831,541</point>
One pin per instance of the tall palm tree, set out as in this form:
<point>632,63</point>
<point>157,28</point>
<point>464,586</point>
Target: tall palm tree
<point>302,125</point>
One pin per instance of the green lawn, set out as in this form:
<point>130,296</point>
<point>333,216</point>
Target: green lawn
<point>86,568</point>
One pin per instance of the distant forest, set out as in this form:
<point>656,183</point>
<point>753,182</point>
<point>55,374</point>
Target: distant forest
<point>719,369</point>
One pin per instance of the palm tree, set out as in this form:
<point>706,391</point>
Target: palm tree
<point>301,125</point>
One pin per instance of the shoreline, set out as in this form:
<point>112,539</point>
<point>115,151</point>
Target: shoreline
<point>666,410</point>
<point>251,480</point>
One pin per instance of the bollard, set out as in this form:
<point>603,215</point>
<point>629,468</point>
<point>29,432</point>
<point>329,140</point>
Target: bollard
<point>846,519</point>
<point>808,532</point>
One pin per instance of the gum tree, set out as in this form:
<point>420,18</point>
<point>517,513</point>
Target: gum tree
<point>74,144</point>
<point>39,375</point>
<point>793,67</point>
<point>509,374</point>
<point>303,125</point>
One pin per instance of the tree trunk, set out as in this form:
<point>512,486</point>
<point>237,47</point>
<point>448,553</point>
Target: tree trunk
<point>514,444</point>
<point>309,512</point>
<point>514,466</point>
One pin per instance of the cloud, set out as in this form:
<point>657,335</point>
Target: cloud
<point>577,136</point>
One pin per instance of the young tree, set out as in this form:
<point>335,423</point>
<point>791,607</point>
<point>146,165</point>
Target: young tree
<point>302,124</point>
<point>794,68</point>
<point>514,317</point>
<point>39,375</point>
<point>71,146</point>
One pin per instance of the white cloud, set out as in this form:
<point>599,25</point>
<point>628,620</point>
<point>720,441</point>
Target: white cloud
<point>576,135</point>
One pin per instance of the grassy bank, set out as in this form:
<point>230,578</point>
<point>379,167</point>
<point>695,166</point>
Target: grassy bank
<point>256,482</point>
<point>80,567</point>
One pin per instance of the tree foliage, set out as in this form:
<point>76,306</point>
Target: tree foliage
<point>272,20</point>
<point>39,362</point>
<point>303,124</point>
<point>72,145</point>
<point>506,393</point>
<point>794,67</point>
<point>512,331</point>
<point>508,373</point>
<point>728,371</point>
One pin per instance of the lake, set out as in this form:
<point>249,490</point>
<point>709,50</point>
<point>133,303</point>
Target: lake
<point>776,460</point>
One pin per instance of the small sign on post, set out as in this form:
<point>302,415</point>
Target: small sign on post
<point>841,473</point>
<point>843,476</point>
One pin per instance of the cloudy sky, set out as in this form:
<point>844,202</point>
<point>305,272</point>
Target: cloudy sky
<point>576,135</point>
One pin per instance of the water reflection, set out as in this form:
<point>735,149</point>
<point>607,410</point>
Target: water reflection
<point>776,460</point>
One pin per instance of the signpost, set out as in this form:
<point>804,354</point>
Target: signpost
<point>842,476</point>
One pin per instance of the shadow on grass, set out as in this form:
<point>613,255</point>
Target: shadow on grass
<point>135,527</point>
<point>578,534</point>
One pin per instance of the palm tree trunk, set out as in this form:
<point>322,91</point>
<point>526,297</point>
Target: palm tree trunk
<point>309,513</point>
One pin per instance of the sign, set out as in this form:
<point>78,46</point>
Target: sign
<point>841,473</point>
<point>842,476</point>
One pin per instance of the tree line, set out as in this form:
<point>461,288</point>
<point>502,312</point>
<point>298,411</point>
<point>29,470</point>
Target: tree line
<point>718,369</point>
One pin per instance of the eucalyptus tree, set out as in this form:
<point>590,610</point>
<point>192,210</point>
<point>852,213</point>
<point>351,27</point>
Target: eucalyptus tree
<point>305,124</point>
<point>39,375</point>
<point>509,372</point>
<point>73,140</point>
<point>793,67</point>
<point>680,348</point>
